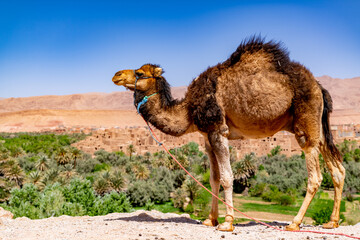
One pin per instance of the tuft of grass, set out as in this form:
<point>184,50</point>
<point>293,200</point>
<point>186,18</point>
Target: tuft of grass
<point>164,208</point>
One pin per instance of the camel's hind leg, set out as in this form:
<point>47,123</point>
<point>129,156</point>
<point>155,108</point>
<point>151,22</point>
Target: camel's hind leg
<point>308,133</point>
<point>333,162</point>
<point>314,181</point>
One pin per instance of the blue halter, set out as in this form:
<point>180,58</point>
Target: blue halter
<point>143,101</point>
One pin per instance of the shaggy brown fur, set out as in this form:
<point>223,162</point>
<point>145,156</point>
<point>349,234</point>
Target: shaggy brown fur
<point>255,93</point>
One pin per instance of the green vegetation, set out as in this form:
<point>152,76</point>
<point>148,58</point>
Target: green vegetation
<point>42,175</point>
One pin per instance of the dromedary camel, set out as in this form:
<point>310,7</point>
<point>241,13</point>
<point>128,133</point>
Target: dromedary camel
<point>255,93</point>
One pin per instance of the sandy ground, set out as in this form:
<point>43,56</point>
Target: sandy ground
<point>144,225</point>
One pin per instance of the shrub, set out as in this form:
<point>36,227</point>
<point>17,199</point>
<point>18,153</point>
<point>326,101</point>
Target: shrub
<point>73,209</point>
<point>349,197</point>
<point>149,205</point>
<point>189,208</point>
<point>179,178</point>
<point>112,202</point>
<point>80,191</point>
<point>113,159</point>
<point>163,184</point>
<point>26,209</point>
<point>28,162</point>
<point>52,203</point>
<point>179,198</point>
<point>286,200</point>
<point>86,165</point>
<point>206,177</point>
<point>285,173</point>
<point>257,190</point>
<point>29,193</point>
<point>352,180</point>
<point>139,192</point>
<point>271,193</point>
<point>201,203</point>
<point>100,167</point>
<point>322,215</point>
<point>327,180</point>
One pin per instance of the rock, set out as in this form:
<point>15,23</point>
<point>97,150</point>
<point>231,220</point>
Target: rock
<point>5,214</point>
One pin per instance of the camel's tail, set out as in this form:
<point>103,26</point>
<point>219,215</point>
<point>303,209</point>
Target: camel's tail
<point>326,124</point>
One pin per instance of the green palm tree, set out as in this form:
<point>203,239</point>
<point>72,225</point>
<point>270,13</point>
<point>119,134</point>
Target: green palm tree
<point>5,188</point>
<point>117,180</point>
<point>62,156</point>
<point>43,163</point>
<point>205,162</point>
<point>101,186</point>
<point>147,157</point>
<point>68,172</point>
<point>15,173</point>
<point>191,188</point>
<point>16,152</point>
<point>142,172</point>
<point>50,176</point>
<point>245,168</point>
<point>76,154</point>
<point>131,150</point>
<point>35,177</point>
<point>106,175</point>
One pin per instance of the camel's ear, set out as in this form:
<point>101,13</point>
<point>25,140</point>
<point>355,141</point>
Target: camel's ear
<point>158,72</point>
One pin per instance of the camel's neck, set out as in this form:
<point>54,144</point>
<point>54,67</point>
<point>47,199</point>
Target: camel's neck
<point>168,115</point>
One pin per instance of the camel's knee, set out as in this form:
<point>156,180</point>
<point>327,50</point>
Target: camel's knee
<point>338,175</point>
<point>227,181</point>
<point>314,184</point>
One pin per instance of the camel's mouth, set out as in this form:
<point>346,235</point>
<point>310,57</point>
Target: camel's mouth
<point>118,81</point>
<point>122,82</point>
<point>129,86</point>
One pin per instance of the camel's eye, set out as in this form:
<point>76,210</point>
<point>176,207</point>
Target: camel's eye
<point>139,74</point>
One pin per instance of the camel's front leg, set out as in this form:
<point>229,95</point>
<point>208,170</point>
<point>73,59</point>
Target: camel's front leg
<point>215,186</point>
<point>220,148</point>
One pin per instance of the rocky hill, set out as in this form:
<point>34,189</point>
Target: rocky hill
<point>88,101</point>
<point>345,92</point>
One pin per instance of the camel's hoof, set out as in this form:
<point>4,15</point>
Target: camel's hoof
<point>292,227</point>
<point>210,223</point>
<point>226,227</point>
<point>331,225</point>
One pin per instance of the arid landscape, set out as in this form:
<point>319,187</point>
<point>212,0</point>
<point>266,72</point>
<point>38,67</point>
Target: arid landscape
<point>115,110</point>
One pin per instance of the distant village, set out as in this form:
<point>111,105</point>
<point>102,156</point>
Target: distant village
<point>118,139</point>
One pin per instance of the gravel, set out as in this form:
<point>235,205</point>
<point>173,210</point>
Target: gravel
<point>150,225</point>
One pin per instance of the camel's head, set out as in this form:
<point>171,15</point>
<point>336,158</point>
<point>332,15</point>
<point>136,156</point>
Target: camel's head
<point>146,77</point>
<point>124,77</point>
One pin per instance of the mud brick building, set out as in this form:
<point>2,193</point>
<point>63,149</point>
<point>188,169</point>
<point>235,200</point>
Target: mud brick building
<point>118,139</point>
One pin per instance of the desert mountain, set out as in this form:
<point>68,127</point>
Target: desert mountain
<point>344,92</point>
<point>89,101</point>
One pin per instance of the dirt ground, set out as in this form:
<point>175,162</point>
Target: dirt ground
<point>144,225</point>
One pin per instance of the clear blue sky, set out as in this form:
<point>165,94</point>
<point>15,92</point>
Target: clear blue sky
<point>67,47</point>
